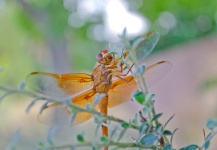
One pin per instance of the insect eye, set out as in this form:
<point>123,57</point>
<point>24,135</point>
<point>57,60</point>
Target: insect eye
<point>103,52</point>
<point>99,57</point>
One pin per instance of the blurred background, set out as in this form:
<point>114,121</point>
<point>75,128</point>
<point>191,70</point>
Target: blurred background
<point>63,36</point>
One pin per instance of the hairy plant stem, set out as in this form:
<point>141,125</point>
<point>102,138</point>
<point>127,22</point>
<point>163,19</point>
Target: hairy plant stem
<point>101,145</point>
<point>62,101</point>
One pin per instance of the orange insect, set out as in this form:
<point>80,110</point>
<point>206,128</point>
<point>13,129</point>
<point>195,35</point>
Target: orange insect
<point>107,78</point>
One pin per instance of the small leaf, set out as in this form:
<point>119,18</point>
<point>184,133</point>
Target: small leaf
<point>171,139</point>
<point>41,144</point>
<point>3,96</point>
<point>149,97</point>
<point>22,85</point>
<point>94,148</point>
<point>159,129</point>
<point>122,134</point>
<point>140,70</point>
<point>31,104</point>
<point>98,119</point>
<point>211,124</point>
<point>67,102</point>
<point>13,144</point>
<point>43,107</point>
<point>157,116</point>
<point>206,144</point>
<point>104,139</point>
<point>97,128</point>
<point>139,96</point>
<point>210,136</point>
<point>50,134</point>
<point>149,139</point>
<point>72,118</point>
<point>72,147</point>
<point>98,98</point>
<point>125,125</point>
<point>191,147</point>
<point>145,110</point>
<point>169,120</point>
<point>168,147</point>
<point>125,41</point>
<point>88,106</point>
<point>135,120</point>
<point>143,127</point>
<point>124,33</point>
<point>167,132</point>
<point>113,132</point>
<point>80,138</point>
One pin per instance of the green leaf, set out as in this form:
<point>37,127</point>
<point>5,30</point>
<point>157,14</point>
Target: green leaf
<point>168,147</point>
<point>146,109</point>
<point>149,97</point>
<point>41,144</point>
<point>98,119</point>
<point>206,144</point>
<point>143,127</point>
<point>97,128</point>
<point>50,134</point>
<point>122,134</point>
<point>80,138</point>
<point>94,148</point>
<point>211,124</point>
<point>140,70</point>
<point>124,39</point>
<point>139,96</point>
<point>159,129</point>
<point>149,139</point>
<point>104,139</point>
<point>135,120</point>
<point>22,85</point>
<point>190,147</point>
<point>72,118</point>
<point>15,140</point>
<point>157,116</point>
<point>43,107</point>
<point>171,139</point>
<point>31,104</point>
<point>167,132</point>
<point>3,96</point>
<point>125,125</point>
<point>88,106</point>
<point>210,136</point>
<point>113,132</point>
<point>169,120</point>
<point>98,98</point>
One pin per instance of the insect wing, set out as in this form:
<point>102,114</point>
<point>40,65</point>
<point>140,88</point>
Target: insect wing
<point>145,45</point>
<point>56,114</point>
<point>156,72</point>
<point>121,90</point>
<point>59,85</point>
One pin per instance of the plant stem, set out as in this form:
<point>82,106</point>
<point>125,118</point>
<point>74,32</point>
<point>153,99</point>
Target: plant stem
<point>100,145</point>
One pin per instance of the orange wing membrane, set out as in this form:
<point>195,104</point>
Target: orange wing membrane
<point>121,90</point>
<point>60,85</point>
<point>56,114</point>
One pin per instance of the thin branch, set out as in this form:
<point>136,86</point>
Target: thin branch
<point>62,101</point>
<point>101,145</point>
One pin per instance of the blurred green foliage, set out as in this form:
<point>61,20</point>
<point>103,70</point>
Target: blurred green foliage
<point>36,35</point>
<point>194,19</point>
